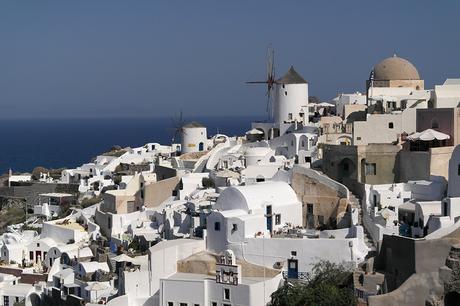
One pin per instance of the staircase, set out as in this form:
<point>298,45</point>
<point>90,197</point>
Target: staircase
<point>356,203</point>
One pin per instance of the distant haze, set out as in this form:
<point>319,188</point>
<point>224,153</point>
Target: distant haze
<point>145,59</point>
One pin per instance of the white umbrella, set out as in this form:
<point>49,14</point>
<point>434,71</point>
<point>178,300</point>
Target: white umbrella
<point>254,132</point>
<point>325,104</point>
<point>428,135</point>
<point>124,257</point>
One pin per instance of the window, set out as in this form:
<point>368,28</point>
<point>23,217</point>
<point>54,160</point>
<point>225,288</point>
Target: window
<point>309,208</point>
<point>268,210</point>
<point>303,143</point>
<point>234,227</point>
<point>321,220</point>
<point>170,303</point>
<point>290,116</point>
<point>358,138</point>
<point>285,93</point>
<point>31,255</point>
<point>390,125</point>
<point>38,245</point>
<point>213,303</point>
<point>109,221</point>
<point>458,170</point>
<point>183,304</point>
<point>217,226</point>
<point>371,169</point>
<point>227,294</point>
<point>277,219</point>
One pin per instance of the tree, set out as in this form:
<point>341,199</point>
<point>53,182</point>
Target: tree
<point>328,284</point>
<point>36,172</point>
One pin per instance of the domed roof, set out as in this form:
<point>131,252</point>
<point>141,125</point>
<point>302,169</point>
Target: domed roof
<point>395,68</point>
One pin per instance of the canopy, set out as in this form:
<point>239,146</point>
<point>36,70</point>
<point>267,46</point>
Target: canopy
<point>428,135</point>
<point>254,132</point>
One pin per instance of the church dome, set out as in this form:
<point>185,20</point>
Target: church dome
<point>395,68</point>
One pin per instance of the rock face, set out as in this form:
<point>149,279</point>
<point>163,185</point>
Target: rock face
<point>450,275</point>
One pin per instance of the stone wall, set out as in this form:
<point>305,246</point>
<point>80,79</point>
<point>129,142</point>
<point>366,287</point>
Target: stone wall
<point>329,199</point>
<point>157,192</point>
<point>30,193</point>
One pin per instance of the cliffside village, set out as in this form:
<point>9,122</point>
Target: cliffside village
<point>369,180</point>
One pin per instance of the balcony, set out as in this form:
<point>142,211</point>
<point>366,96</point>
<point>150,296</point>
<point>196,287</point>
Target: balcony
<point>291,275</point>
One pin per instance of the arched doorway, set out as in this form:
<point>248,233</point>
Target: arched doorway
<point>346,169</point>
<point>200,146</point>
<point>452,298</point>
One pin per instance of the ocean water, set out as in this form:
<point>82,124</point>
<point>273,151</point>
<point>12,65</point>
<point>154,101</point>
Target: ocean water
<point>55,143</point>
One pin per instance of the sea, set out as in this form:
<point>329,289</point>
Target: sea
<point>68,143</point>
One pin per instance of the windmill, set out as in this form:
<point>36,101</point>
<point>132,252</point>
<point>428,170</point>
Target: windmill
<point>270,81</point>
<point>177,127</point>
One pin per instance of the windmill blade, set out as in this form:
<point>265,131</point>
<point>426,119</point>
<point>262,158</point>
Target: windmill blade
<point>256,82</point>
<point>270,67</point>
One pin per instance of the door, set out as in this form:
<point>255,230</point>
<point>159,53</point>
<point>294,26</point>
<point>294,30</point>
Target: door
<point>310,217</point>
<point>269,216</point>
<point>293,268</point>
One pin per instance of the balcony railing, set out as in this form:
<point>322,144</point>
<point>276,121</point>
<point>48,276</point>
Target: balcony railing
<point>295,275</point>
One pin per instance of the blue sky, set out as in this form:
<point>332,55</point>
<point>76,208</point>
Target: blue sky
<point>151,58</point>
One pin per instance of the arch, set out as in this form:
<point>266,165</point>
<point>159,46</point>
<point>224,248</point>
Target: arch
<point>201,146</point>
<point>34,299</point>
<point>344,140</point>
<point>345,169</point>
<point>452,298</point>
<point>303,142</point>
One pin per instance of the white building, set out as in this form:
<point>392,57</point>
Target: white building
<point>249,211</point>
<point>291,98</point>
<point>194,138</point>
<point>447,95</point>
<point>229,286</point>
<point>348,99</point>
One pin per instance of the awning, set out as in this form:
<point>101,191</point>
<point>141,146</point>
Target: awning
<point>428,135</point>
